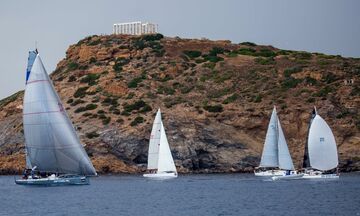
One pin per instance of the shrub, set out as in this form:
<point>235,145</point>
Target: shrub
<point>72,78</point>
<point>134,82</point>
<point>214,108</point>
<point>290,83</point>
<point>192,53</point>
<point>266,53</point>
<point>310,80</point>
<point>310,100</point>
<point>72,66</point>
<point>248,43</point>
<point>110,101</point>
<point>216,50</point>
<point>92,60</point>
<point>80,92</point>
<point>152,37</point>
<point>265,61</point>
<point>92,134</point>
<point>90,79</point>
<point>324,91</point>
<point>138,105</point>
<point>246,51</point>
<point>165,90</point>
<point>257,99</point>
<point>70,101</point>
<point>329,78</point>
<point>137,120</point>
<point>76,102</point>
<point>91,107</point>
<point>302,55</point>
<point>95,42</point>
<point>213,59</point>
<point>106,120</point>
<point>230,99</point>
<point>289,71</point>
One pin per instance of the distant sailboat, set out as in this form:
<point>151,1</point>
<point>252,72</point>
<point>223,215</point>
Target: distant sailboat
<point>54,155</point>
<point>320,157</point>
<point>160,161</point>
<point>275,159</point>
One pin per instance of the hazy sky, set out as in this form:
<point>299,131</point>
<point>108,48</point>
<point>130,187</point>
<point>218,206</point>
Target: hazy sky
<point>327,26</point>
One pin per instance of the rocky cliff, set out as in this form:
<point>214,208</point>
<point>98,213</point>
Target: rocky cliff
<point>216,98</point>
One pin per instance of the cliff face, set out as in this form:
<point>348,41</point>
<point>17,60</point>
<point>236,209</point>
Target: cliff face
<point>216,98</point>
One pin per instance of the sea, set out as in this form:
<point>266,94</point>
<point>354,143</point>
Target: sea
<point>200,195</point>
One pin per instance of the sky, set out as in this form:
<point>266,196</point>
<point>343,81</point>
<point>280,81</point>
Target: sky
<point>326,26</point>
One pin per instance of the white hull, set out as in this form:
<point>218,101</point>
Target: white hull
<point>270,173</point>
<point>321,176</point>
<point>160,176</point>
<point>288,177</point>
<point>55,181</point>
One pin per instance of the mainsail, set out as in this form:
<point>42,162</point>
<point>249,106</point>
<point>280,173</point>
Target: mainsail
<point>52,144</point>
<point>153,154</point>
<point>276,152</point>
<point>322,146</point>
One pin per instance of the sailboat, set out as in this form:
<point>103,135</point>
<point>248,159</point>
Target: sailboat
<point>320,157</point>
<point>275,159</point>
<point>54,155</point>
<point>160,161</point>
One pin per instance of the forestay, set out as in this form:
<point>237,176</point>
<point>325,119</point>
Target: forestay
<point>51,141</point>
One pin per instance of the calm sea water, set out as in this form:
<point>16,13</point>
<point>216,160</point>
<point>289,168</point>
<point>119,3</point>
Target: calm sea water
<point>235,194</point>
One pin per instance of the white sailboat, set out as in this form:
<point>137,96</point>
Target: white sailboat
<point>54,155</point>
<point>320,157</point>
<point>160,161</point>
<point>275,159</point>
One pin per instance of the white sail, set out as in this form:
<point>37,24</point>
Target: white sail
<point>153,153</point>
<point>52,144</point>
<point>166,162</point>
<point>285,161</point>
<point>269,156</point>
<point>322,146</point>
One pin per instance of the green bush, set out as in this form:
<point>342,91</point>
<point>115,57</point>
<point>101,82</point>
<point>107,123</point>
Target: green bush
<point>302,55</point>
<point>257,99</point>
<point>214,108</point>
<point>137,120</point>
<point>72,78</point>
<point>216,50</point>
<point>70,101</point>
<point>165,90</point>
<point>248,43</point>
<point>265,61</point>
<point>290,82</point>
<point>266,53</point>
<point>76,102</point>
<point>310,80</point>
<point>106,120</point>
<point>324,91</point>
<point>137,105</point>
<point>310,100</point>
<point>72,66</point>
<point>152,37</point>
<point>90,79</point>
<point>230,99</point>
<point>247,51</point>
<point>92,134</point>
<point>289,71</point>
<point>95,42</point>
<point>90,106</point>
<point>80,92</point>
<point>134,82</point>
<point>92,60</point>
<point>110,101</point>
<point>192,53</point>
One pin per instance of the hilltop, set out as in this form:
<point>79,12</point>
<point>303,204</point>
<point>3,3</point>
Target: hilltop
<point>216,98</point>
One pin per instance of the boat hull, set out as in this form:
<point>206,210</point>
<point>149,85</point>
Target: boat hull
<point>160,176</point>
<point>270,173</point>
<point>288,177</point>
<point>54,181</point>
<point>321,176</point>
